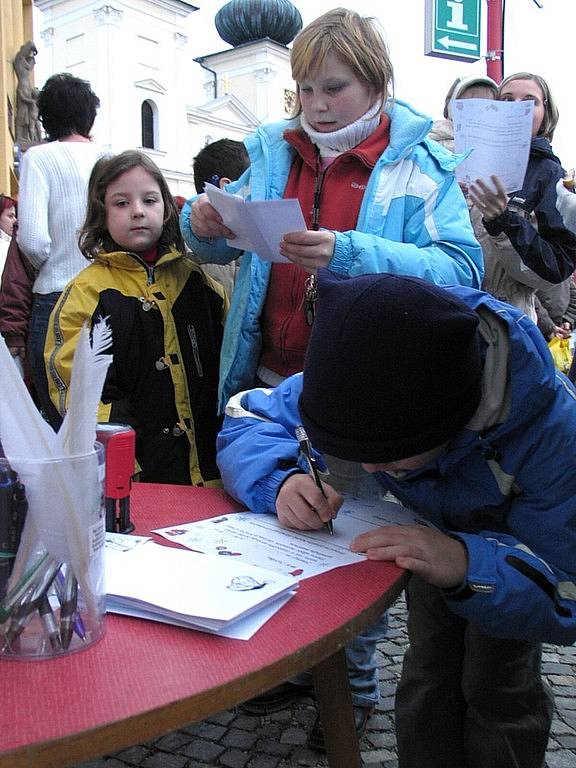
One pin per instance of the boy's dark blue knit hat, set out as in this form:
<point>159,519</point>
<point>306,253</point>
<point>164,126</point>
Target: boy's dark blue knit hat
<point>393,367</point>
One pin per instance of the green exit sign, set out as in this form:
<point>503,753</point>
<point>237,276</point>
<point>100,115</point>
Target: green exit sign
<point>453,29</point>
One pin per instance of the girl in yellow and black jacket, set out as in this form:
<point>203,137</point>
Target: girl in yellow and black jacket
<point>166,318</point>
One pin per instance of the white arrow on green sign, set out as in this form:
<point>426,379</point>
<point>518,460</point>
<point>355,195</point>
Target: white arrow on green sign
<point>453,29</point>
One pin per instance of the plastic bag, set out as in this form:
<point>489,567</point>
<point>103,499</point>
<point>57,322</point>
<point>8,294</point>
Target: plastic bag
<point>561,353</point>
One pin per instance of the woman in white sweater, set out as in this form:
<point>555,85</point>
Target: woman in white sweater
<point>52,204</point>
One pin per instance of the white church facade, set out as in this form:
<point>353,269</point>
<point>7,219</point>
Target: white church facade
<point>137,56</point>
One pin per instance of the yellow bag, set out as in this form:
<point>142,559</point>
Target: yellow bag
<point>561,353</point>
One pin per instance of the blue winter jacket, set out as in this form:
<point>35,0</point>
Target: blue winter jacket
<point>413,221</point>
<point>505,486</point>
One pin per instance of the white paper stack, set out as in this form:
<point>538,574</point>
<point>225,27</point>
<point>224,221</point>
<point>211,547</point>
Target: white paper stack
<point>188,589</point>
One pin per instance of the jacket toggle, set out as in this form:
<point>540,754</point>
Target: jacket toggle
<point>178,429</point>
<point>147,304</point>
<point>166,361</point>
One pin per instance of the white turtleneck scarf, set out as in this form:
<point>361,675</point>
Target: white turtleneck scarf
<point>334,143</point>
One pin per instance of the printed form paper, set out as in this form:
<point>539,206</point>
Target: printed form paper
<point>261,539</point>
<point>498,134</point>
<point>259,225</point>
<point>167,584</point>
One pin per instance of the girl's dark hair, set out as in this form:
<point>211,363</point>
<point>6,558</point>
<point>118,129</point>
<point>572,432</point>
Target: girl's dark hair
<point>67,105</point>
<point>94,236</point>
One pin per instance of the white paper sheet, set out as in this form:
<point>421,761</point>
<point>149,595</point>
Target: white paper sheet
<point>259,225</point>
<point>243,629</point>
<point>175,586</point>
<point>499,134</point>
<point>261,540</point>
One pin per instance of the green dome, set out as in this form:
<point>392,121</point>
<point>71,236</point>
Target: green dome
<point>244,21</point>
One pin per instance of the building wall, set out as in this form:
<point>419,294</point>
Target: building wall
<point>131,51</point>
<point>15,29</point>
<point>258,74</point>
<point>134,51</point>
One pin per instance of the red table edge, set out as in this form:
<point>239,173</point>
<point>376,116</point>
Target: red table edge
<point>154,723</point>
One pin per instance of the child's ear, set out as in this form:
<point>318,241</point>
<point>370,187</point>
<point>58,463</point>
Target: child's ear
<point>223,181</point>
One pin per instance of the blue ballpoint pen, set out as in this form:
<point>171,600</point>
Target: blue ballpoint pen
<point>78,624</point>
<point>306,449</point>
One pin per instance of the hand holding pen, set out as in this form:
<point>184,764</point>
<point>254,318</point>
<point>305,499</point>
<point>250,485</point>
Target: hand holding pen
<point>303,502</point>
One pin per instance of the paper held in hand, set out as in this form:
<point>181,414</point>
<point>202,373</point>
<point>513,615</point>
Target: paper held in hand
<point>497,134</point>
<point>259,225</point>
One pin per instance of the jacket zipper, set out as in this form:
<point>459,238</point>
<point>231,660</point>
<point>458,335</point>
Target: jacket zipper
<point>195,350</point>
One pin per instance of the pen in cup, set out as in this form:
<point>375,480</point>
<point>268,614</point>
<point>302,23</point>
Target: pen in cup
<point>49,622</point>
<point>306,450</point>
<point>21,615</point>
<point>14,595</point>
<point>70,619</point>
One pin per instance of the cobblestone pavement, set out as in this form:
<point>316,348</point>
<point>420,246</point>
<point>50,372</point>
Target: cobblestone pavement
<point>234,740</point>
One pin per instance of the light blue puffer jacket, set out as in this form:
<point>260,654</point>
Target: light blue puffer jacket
<point>413,221</point>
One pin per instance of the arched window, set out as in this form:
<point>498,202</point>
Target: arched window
<point>149,125</point>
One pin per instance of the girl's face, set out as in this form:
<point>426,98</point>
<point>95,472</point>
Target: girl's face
<point>134,210</point>
<point>333,97</point>
<point>7,220</point>
<point>526,90</point>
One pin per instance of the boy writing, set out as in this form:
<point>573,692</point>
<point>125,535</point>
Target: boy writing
<point>451,399</point>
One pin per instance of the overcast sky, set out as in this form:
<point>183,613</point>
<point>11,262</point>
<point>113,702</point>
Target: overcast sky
<point>537,40</point>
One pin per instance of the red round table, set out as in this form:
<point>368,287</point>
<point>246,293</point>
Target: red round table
<point>144,678</point>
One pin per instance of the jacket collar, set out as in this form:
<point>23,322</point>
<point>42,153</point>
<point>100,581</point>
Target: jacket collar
<point>132,262</point>
<point>368,151</point>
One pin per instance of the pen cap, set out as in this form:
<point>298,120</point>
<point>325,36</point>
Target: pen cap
<point>119,442</point>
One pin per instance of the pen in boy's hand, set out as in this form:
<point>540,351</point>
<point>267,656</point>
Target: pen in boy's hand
<point>306,449</point>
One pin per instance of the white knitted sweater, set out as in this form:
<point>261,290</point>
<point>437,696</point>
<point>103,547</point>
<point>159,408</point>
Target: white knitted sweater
<point>51,209</point>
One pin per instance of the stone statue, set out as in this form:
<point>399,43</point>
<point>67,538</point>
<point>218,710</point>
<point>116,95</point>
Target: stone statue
<point>27,122</point>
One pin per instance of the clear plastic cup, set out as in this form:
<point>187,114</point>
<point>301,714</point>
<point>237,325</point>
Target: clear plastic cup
<point>52,533</point>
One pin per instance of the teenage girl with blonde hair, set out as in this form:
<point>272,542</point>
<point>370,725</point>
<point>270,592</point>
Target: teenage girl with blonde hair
<point>377,196</point>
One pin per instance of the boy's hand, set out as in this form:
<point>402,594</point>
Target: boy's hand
<point>437,558</point>
<point>300,505</point>
<point>205,220</point>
